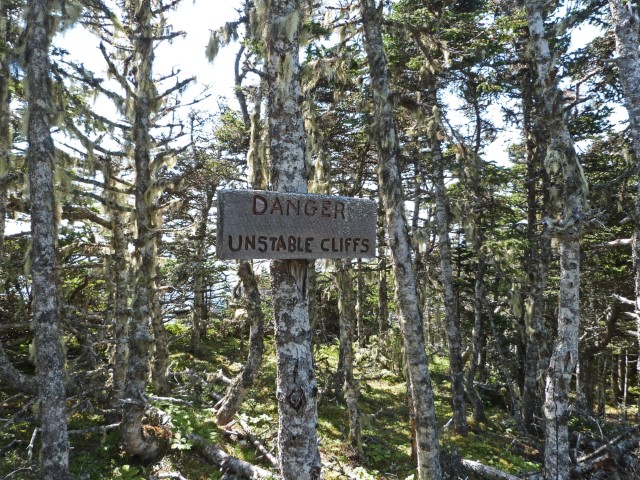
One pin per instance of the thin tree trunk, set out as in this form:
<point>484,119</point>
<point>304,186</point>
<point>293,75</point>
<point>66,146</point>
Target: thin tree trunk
<point>236,392</point>
<point>297,388</point>
<point>428,451</point>
<point>503,367</point>
<point>615,377</point>
<point>5,127</point>
<point>199,304</point>
<point>626,32</point>
<point>478,335</point>
<point>452,319</point>
<point>561,155</point>
<point>536,353</point>
<point>347,311</point>
<point>41,163</point>
<point>383,297</point>
<point>120,263</point>
<point>137,440</point>
<point>360,305</point>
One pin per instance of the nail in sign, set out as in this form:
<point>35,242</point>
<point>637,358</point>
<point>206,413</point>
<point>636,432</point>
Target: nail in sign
<point>263,224</point>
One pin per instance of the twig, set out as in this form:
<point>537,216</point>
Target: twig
<point>99,429</point>
<point>32,443</point>
<point>178,401</point>
<point>16,471</point>
<point>10,445</point>
<point>17,415</point>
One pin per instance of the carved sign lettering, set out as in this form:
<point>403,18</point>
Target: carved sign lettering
<point>262,224</point>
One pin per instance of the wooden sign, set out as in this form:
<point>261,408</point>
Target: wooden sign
<point>262,224</point>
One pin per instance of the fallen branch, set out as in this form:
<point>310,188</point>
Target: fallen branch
<point>228,462</point>
<point>222,377</point>
<point>487,472</point>
<point>99,429</point>
<point>178,401</point>
<point>608,445</point>
<point>257,443</point>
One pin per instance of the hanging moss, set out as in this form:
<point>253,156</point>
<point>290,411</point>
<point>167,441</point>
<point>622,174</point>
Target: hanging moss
<point>213,47</point>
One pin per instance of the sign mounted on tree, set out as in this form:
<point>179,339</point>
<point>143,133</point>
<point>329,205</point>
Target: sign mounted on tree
<point>262,224</point>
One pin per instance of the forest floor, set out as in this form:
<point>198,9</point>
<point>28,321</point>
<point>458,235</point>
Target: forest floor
<point>96,453</point>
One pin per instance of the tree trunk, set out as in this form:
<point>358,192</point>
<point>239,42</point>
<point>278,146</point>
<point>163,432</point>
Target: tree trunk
<point>383,297</point>
<point>347,311</point>
<point>452,318</point>
<point>238,389</point>
<point>297,388</point>
<point>199,303</point>
<point>428,451</point>
<point>236,392</point>
<point>120,287</point>
<point>138,441</point>
<point>615,377</point>
<point>536,354</point>
<point>626,33</point>
<point>478,335</point>
<point>361,296</point>
<point>41,163</point>
<point>6,140</point>
<point>560,156</point>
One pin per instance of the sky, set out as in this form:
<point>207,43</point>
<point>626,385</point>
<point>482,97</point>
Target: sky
<point>197,18</point>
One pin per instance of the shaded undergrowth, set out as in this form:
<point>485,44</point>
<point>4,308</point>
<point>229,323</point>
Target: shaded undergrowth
<point>195,379</point>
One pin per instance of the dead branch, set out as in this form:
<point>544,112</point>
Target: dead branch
<point>227,462</point>
<point>487,472</point>
<point>18,414</point>
<point>608,445</point>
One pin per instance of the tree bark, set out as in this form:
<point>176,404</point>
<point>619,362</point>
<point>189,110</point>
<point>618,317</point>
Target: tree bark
<point>41,163</point>
<point>626,22</point>
<point>560,155</point>
<point>199,304</point>
<point>120,286</point>
<point>452,318</point>
<point>5,126</point>
<point>537,259</point>
<point>428,452</point>
<point>383,297</point>
<point>228,462</point>
<point>297,388</point>
<point>236,392</point>
<point>137,440</point>
<point>477,335</point>
<point>347,313</point>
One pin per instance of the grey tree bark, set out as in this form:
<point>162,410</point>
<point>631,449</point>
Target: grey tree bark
<point>452,317</point>
<point>5,124</point>
<point>626,21</point>
<point>137,440</point>
<point>119,282</point>
<point>50,361</point>
<point>347,314</point>
<point>199,304</point>
<point>537,260</point>
<point>560,156</point>
<point>297,388</point>
<point>428,452</point>
<point>383,297</point>
<point>235,394</point>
